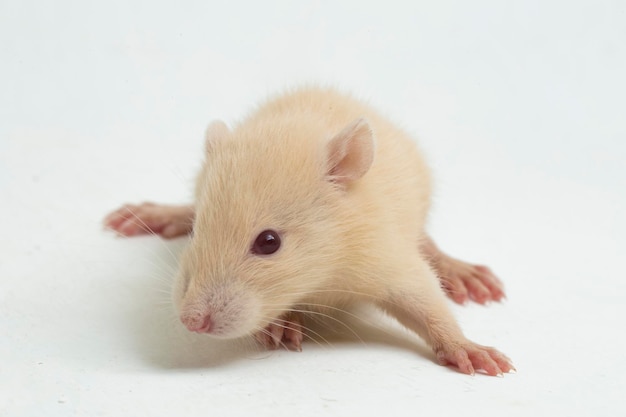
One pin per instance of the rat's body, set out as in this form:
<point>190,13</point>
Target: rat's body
<point>344,194</point>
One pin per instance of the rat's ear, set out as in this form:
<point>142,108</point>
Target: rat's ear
<point>350,152</point>
<point>217,130</point>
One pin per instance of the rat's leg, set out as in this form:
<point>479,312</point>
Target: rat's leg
<point>461,280</point>
<point>421,306</point>
<point>286,331</point>
<point>145,218</point>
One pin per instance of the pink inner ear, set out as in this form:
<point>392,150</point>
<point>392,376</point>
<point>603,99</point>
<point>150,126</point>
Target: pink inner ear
<point>351,152</point>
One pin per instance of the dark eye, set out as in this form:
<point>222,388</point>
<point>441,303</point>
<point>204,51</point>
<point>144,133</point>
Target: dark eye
<point>266,243</point>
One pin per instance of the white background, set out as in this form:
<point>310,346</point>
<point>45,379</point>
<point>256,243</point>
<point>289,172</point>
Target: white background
<point>519,107</point>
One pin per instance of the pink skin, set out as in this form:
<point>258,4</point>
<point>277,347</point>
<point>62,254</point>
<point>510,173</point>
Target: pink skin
<point>469,357</point>
<point>149,218</point>
<point>197,322</point>
<point>462,282</point>
<point>286,332</point>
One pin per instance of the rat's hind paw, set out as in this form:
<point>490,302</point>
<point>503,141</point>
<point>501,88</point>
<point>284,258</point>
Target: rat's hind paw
<point>286,332</point>
<point>462,280</point>
<point>469,356</point>
<point>147,218</point>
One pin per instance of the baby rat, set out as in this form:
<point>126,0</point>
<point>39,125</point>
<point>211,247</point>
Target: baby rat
<point>314,203</point>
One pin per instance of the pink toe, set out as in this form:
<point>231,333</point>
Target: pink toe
<point>129,228</point>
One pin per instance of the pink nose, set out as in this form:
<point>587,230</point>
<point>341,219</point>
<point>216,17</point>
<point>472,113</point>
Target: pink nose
<point>199,323</point>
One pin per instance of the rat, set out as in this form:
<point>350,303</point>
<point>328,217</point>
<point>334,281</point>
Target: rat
<point>315,202</point>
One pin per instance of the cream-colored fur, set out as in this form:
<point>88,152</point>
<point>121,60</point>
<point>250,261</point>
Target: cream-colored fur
<point>349,193</point>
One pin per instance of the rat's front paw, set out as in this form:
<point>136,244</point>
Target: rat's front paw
<point>469,356</point>
<point>286,332</point>
<point>146,218</point>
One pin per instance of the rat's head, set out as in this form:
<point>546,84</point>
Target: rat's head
<point>268,228</point>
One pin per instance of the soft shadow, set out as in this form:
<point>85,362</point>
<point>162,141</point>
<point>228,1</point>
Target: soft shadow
<point>160,339</point>
<point>163,342</point>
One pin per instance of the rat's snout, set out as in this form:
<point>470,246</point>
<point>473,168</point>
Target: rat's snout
<point>223,311</point>
<point>197,322</point>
